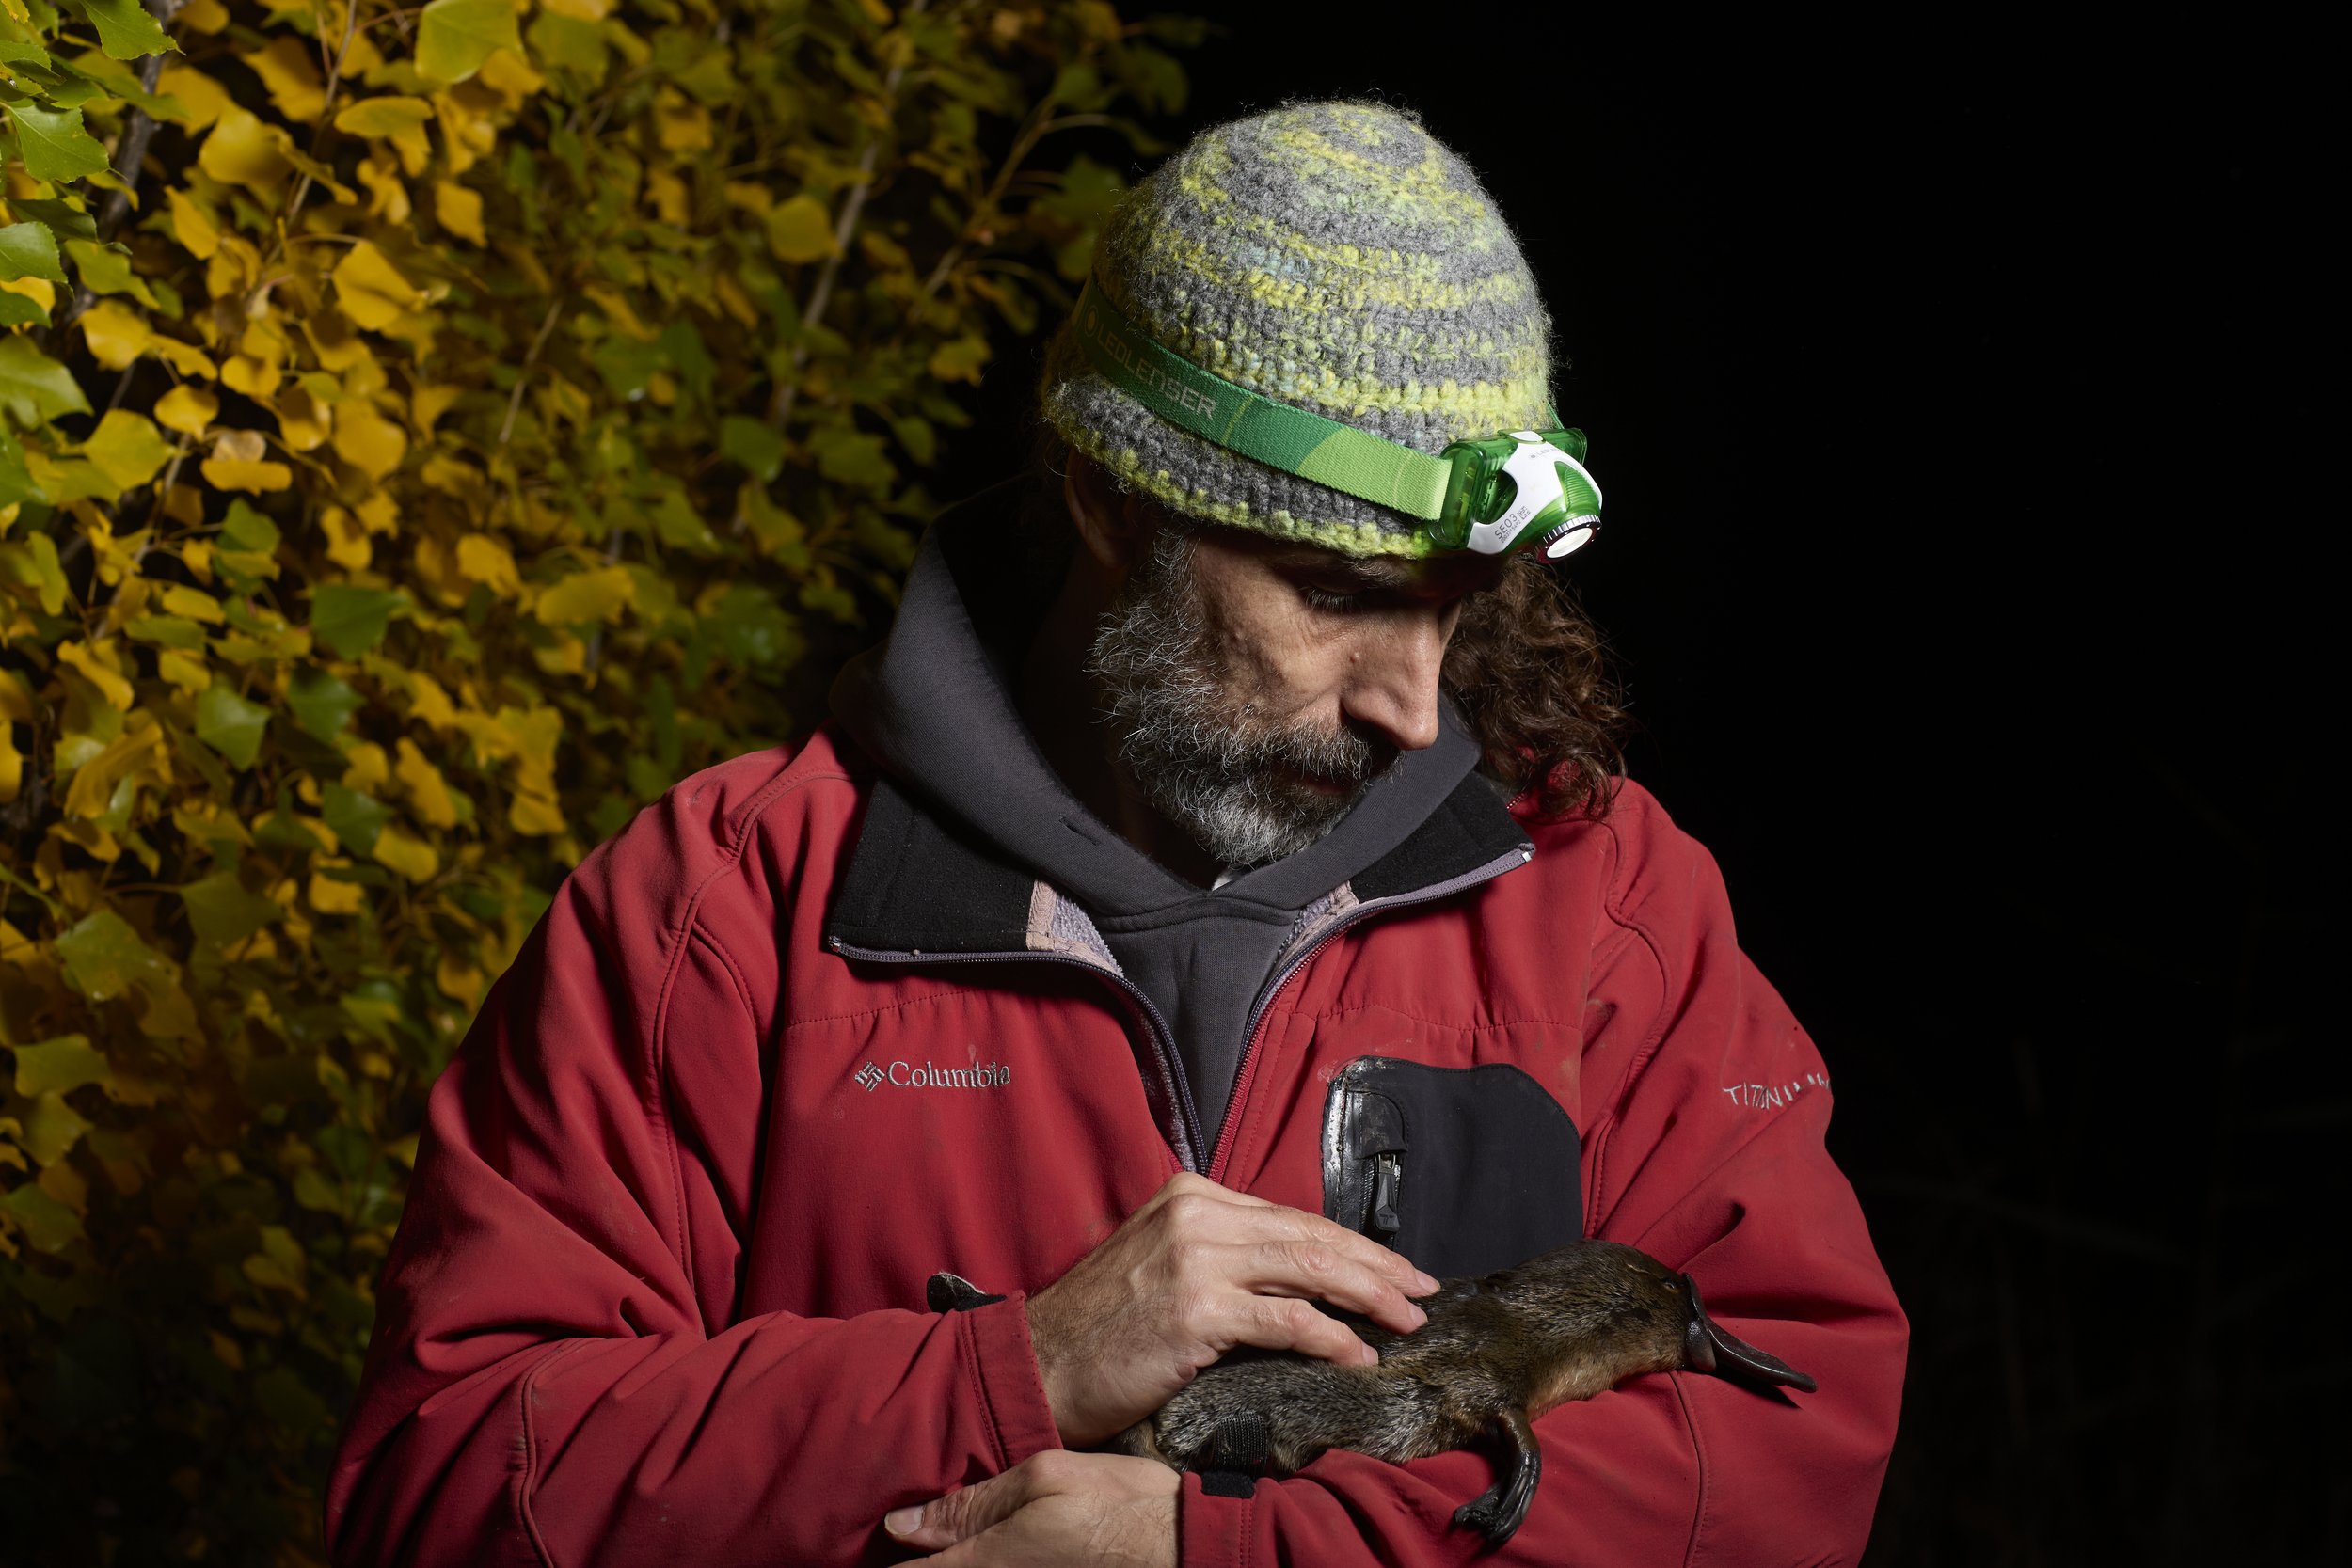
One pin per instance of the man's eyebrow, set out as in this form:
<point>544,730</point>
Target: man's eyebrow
<point>1371,571</point>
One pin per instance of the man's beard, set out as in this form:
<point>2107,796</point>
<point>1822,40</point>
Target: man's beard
<point>1231,784</point>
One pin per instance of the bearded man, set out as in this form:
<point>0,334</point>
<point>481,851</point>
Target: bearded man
<point>1214,903</point>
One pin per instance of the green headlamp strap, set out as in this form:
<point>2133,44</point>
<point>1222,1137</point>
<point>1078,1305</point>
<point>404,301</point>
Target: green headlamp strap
<point>1508,491</point>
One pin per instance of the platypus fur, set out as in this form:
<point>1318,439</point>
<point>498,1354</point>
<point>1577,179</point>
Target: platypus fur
<point>1497,1352</point>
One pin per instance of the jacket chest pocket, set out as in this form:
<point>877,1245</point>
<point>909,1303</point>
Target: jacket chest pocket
<point>1464,1170</point>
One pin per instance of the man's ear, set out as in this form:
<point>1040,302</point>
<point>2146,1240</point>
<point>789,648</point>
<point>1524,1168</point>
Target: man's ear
<point>1113,527</point>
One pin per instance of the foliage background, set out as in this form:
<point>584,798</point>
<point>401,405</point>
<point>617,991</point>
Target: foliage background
<point>424,435</point>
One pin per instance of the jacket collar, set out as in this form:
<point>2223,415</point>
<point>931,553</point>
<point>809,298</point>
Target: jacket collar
<point>920,882</point>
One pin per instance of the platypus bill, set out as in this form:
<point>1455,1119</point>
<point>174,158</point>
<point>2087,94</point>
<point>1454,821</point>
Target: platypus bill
<point>1497,1352</point>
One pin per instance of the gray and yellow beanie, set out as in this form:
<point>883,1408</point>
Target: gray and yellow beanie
<point>1333,256</point>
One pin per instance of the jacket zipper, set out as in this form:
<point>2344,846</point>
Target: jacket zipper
<point>1249,1065</point>
<point>1163,1044</point>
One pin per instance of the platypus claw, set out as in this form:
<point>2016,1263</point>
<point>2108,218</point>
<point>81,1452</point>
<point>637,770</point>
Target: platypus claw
<point>1492,1516</point>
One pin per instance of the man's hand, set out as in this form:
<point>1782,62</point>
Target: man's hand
<point>1195,1272</point>
<point>1056,1508</point>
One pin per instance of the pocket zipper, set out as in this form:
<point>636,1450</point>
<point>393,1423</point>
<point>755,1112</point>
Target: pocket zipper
<point>1387,1175</point>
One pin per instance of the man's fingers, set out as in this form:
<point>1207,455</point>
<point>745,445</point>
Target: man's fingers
<point>1200,1210</point>
<point>962,1513</point>
<point>1311,1269</point>
<point>1287,1323</point>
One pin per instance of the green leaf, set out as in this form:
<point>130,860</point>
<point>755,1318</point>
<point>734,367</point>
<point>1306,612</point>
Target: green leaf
<point>54,144</point>
<point>34,563</point>
<point>230,725</point>
<point>356,819</point>
<point>128,449</point>
<point>48,1224</point>
<point>125,31</point>
<point>16,484</point>
<point>29,250</point>
<point>351,620</point>
<point>753,445</point>
<point>104,958</point>
<point>105,269</point>
<point>35,388</point>
<point>454,36</point>
<point>16,311</point>
<point>59,1066</point>
<point>322,703</point>
<point>62,217</point>
<point>167,631</point>
<point>247,531</point>
<point>222,913</point>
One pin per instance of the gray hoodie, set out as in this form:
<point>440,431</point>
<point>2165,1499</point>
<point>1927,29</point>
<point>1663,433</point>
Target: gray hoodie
<point>934,706</point>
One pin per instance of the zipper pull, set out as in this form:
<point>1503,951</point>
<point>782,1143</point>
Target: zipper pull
<point>1388,1173</point>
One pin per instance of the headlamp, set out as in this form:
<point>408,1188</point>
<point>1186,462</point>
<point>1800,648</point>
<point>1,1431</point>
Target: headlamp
<point>1520,489</point>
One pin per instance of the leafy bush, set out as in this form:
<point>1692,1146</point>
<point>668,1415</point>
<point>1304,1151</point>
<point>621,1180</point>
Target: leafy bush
<point>424,435</point>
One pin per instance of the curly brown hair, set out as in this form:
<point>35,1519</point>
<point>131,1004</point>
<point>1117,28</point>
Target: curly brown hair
<point>1528,668</point>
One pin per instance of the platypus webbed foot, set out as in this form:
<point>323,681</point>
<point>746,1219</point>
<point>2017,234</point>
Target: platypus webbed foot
<point>1499,1512</point>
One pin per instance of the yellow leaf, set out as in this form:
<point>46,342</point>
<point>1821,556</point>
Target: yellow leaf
<point>458,980</point>
<point>38,290</point>
<point>594,595</point>
<point>303,421</point>
<point>619,311</point>
<point>372,291</point>
<point>194,228</point>
<point>667,193</point>
<point>185,408</point>
<point>187,672</point>
<point>581,10</point>
<point>489,563</point>
<point>388,115</point>
<point>801,229</point>
<point>116,334</point>
<point>428,403</point>
<point>539,816</point>
<point>203,16</point>
<point>237,464</point>
<point>132,753</point>
<point>428,793</point>
<point>682,126</point>
<point>366,766</point>
<point>203,98</point>
<point>193,603</point>
<point>368,442</point>
<point>404,853</point>
<point>11,766</point>
<point>510,76</point>
<point>346,542</point>
<point>290,76</point>
<point>243,151</point>
<point>458,209</point>
<point>960,359</point>
<point>16,698</point>
<point>97,662</point>
<point>256,378</point>
<point>387,192</point>
<point>184,358</point>
<point>330,895</point>
<point>430,704</point>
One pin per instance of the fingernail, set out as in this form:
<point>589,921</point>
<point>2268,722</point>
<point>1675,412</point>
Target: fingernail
<point>1426,1284</point>
<point>903,1521</point>
<point>1419,1317</point>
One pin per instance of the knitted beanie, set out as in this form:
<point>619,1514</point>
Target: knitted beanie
<point>1334,256</point>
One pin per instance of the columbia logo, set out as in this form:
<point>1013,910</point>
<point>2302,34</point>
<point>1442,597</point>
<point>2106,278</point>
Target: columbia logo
<point>930,1075</point>
<point>869,1077</point>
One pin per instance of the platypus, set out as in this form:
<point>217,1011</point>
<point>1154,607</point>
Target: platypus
<point>1497,1352</point>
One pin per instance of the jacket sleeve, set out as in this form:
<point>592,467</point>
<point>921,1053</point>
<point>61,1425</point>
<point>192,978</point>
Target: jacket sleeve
<point>1708,1154</point>
<point>558,1377</point>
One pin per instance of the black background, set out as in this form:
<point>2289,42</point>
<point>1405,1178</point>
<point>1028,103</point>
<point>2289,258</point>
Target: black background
<point>1956,383</point>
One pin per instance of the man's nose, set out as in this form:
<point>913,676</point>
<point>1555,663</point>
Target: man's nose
<point>1392,683</point>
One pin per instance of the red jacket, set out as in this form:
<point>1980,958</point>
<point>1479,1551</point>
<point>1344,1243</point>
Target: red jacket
<point>785,1046</point>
